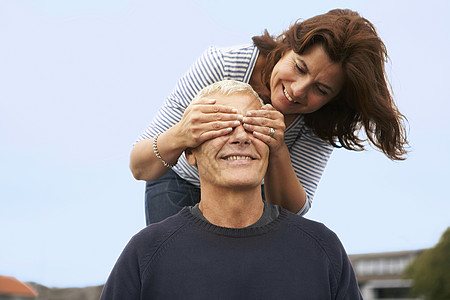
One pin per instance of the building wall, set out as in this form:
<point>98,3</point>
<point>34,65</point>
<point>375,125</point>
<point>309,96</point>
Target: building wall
<point>380,274</point>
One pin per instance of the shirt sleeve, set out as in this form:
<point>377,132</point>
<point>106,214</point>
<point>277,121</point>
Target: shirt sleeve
<point>347,285</point>
<point>343,279</point>
<point>309,157</point>
<point>124,280</point>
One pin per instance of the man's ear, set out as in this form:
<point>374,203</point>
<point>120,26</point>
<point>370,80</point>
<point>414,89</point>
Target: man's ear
<point>190,157</point>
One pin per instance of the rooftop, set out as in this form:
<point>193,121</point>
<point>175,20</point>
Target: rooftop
<point>10,286</point>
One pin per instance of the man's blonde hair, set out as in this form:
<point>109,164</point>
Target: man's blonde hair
<point>226,88</point>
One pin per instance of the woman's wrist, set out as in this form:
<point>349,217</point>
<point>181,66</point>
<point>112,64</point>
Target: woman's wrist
<point>281,154</point>
<point>174,137</point>
<point>168,147</point>
<point>158,155</point>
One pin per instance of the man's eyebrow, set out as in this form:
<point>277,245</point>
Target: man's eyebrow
<point>320,83</point>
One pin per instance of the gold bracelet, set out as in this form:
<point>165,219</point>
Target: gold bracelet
<point>155,150</point>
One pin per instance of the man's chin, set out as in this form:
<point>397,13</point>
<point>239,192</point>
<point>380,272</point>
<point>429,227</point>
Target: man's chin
<point>242,183</point>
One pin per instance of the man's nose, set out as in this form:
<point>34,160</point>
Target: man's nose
<point>240,135</point>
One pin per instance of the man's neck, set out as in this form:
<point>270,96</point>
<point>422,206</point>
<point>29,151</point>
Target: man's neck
<point>231,208</point>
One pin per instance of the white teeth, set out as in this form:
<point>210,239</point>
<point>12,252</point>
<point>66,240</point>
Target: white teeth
<point>236,157</point>
<point>287,96</point>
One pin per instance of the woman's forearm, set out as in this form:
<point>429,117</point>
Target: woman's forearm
<point>281,185</point>
<point>143,162</point>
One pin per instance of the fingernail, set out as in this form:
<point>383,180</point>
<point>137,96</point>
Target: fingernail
<point>234,110</point>
<point>236,123</point>
<point>240,117</point>
<point>211,100</point>
<point>244,120</point>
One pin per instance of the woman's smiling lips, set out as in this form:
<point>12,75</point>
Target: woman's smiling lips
<point>288,97</point>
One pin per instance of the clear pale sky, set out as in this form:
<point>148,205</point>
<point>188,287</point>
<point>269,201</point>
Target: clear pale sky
<point>80,80</point>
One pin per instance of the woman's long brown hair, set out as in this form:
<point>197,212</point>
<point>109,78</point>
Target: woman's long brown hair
<point>365,102</point>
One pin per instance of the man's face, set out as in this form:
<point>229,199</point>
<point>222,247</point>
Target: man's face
<point>237,160</point>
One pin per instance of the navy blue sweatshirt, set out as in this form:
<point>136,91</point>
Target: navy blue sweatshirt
<point>185,257</point>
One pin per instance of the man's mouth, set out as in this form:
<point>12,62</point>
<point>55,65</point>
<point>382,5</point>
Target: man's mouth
<point>237,157</point>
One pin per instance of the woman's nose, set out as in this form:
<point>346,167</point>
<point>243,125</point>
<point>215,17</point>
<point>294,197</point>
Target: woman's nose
<point>300,89</point>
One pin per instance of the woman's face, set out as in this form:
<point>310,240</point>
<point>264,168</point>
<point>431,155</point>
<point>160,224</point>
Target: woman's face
<point>303,83</point>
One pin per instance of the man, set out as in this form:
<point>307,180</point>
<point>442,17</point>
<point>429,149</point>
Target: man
<point>232,245</point>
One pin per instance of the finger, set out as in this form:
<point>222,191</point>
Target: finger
<point>201,129</point>
<point>268,107</point>
<point>221,125</point>
<point>260,121</point>
<point>208,105</point>
<point>208,135</point>
<point>209,113</point>
<point>214,108</point>
<point>259,129</point>
<point>205,101</point>
<point>259,113</point>
<point>270,141</point>
<point>267,111</point>
<point>218,117</point>
<point>266,114</point>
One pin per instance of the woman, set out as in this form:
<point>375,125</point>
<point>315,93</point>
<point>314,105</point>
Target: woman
<point>323,81</point>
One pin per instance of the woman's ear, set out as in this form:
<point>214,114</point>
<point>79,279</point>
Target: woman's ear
<point>190,157</point>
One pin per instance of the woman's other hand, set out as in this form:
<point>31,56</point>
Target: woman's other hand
<point>267,124</point>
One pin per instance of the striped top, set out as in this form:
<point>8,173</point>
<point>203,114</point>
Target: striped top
<point>309,154</point>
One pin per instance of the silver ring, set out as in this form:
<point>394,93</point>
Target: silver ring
<point>271,132</point>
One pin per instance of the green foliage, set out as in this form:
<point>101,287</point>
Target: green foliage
<point>430,271</point>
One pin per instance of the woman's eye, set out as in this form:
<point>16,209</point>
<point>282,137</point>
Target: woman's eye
<point>321,91</point>
<point>300,69</point>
